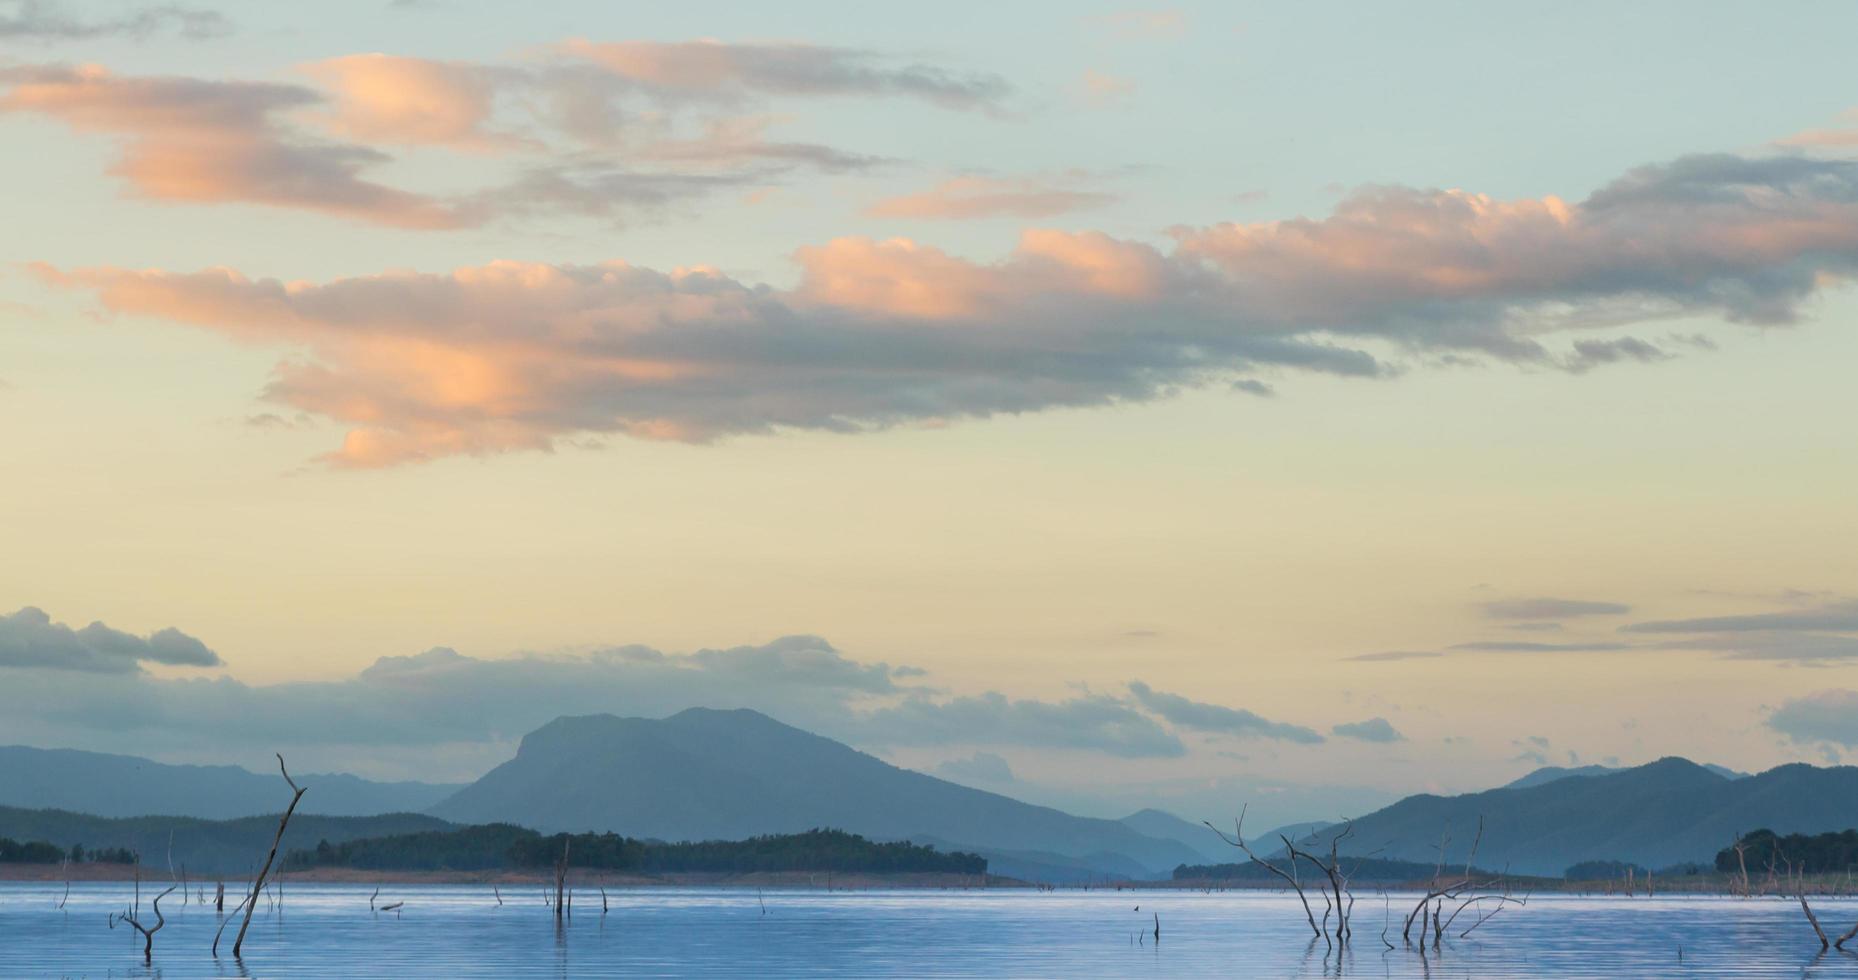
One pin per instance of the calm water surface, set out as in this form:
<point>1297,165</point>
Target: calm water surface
<point>460,931</point>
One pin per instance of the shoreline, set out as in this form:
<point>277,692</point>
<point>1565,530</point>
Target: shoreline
<point>580,878</point>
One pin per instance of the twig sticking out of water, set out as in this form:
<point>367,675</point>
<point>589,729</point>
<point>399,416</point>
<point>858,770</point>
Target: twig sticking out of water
<point>148,934</point>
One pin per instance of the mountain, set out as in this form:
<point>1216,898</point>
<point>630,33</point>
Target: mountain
<point>1656,815</point>
<point>203,847</point>
<point>1548,774</point>
<point>125,786</point>
<point>724,775</point>
<point>1166,826</point>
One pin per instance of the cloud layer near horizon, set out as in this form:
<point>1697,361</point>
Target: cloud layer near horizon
<point>83,688</point>
<point>515,355</point>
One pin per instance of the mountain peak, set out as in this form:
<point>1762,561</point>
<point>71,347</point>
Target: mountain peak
<point>716,774</point>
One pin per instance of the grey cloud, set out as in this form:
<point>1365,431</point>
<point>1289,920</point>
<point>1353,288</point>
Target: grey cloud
<point>1823,716</point>
<point>1096,723</point>
<point>1219,719</point>
<point>1549,608</point>
<point>713,70</point>
<point>1371,730</point>
<point>1389,655</point>
<point>29,638</point>
<point>1589,354</point>
<point>1252,386</point>
<point>46,20</point>
<point>1534,627</point>
<point>1519,646</point>
<point>1803,647</point>
<point>1838,617</point>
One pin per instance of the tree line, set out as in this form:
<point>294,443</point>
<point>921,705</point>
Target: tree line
<point>45,852</point>
<point>504,846</point>
<point>1805,853</point>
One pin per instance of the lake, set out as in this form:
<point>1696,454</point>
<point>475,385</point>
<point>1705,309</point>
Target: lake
<point>460,931</point>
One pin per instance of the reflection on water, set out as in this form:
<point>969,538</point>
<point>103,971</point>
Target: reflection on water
<point>461,931</point>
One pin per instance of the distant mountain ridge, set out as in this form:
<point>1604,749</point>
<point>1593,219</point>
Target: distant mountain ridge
<point>1656,815</point>
<point>1548,774</point>
<point>126,786</point>
<point>714,774</point>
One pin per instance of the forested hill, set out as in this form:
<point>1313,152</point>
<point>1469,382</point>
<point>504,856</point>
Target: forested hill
<point>503,846</point>
<point>204,847</point>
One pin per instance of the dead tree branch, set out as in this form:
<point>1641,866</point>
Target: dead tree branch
<point>148,934</point>
<point>1238,840</point>
<point>251,903</point>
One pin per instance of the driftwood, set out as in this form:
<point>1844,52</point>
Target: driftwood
<point>251,902</point>
<point>148,933</point>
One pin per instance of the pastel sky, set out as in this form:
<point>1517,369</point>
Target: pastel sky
<point>1296,404</point>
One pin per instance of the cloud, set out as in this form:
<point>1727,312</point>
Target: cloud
<point>1823,716</point>
<point>444,714</point>
<point>47,20</point>
<point>985,768</point>
<point>1829,137</point>
<point>1371,730</point>
<point>514,356</point>
<point>1518,646</point>
<point>1804,647</point>
<point>1389,655</point>
<point>1837,617</point>
<point>1102,90</point>
<point>1090,723</point>
<point>1218,719</point>
<point>1252,386</point>
<point>741,141</point>
<point>1589,354</point>
<point>565,117</point>
<point>1165,23</point>
<point>1550,608</point>
<point>715,70</point>
<point>219,142</point>
<point>989,197</point>
<point>29,639</point>
<point>382,98</point>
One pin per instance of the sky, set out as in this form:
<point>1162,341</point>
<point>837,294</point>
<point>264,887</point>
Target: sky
<point>1294,405</point>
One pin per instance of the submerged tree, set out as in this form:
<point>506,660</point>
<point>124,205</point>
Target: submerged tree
<point>258,880</point>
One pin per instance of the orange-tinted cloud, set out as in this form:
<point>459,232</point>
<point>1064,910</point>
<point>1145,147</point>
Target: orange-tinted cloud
<point>989,197</point>
<point>185,139</point>
<point>719,70</point>
<point>381,98</point>
<point>514,355</point>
